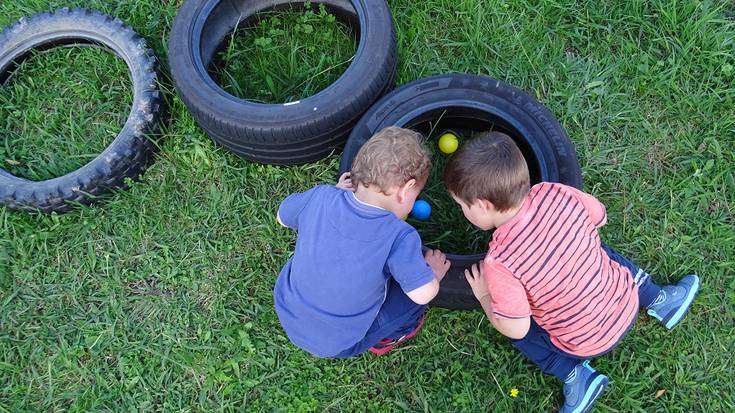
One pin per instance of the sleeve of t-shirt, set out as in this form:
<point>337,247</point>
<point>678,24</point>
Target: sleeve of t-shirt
<point>291,207</point>
<point>508,297</point>
<point>406,262</point>
<point>595,209</point>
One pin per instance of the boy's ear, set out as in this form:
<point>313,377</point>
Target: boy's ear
<point>403,190</point>
<point>485,205</point>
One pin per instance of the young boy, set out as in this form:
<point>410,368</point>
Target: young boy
<point>358,279</point>
<point>547,282</point>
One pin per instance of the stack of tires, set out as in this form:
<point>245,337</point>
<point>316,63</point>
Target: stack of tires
<point>291,132</point>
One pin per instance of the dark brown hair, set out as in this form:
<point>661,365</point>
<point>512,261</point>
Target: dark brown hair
<point>391,158</point>
<point>488,167</point>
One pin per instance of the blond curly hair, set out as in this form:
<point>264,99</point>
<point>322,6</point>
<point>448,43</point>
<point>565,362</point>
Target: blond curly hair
<point>390,158</point>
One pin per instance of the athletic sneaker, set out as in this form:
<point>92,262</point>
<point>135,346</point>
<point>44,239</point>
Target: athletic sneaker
<point>674,301</point>
<point>583,386</point>
<point>385,345</point>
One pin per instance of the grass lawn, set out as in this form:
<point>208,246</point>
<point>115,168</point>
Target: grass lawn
<point>160,299</point>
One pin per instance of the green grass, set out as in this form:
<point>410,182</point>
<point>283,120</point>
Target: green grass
<point>160,299</point>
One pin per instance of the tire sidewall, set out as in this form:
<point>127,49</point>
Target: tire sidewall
<point>532,119</point>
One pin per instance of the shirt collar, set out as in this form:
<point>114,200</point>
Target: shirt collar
<point>518,217</point>
<point>364,206</point>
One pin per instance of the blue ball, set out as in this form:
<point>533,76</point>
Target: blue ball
<point>421,210</point>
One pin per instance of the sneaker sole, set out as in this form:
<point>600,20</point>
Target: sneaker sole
<point>381,351</point>
<point>674,320</point>
<point>388,348</point>
<point>599,384</point>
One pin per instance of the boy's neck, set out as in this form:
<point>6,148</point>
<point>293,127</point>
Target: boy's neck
<point>372,197</point>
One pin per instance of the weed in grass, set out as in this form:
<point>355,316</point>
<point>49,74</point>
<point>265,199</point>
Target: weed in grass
<point>288,55</point>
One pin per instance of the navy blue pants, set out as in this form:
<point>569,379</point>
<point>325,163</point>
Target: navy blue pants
<point>537,345</point>
<point>398,316</point>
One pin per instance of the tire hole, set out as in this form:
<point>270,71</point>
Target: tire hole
<point>284,55</point>
<point>60,109</point>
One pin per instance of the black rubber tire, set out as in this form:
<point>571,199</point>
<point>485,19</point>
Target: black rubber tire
<point>130,152</point>
<point>289,133</point>
<point>481,100</point>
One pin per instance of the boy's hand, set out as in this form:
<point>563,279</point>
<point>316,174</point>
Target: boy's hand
<point>438,263</point>
<point>345,182</point>
<point>475,276</point>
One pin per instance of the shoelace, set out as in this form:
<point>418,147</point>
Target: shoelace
<point>660,299</point>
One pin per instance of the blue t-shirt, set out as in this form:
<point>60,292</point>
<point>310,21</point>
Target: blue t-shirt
<point>329,293</point>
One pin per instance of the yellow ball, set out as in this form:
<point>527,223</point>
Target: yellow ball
<point>448,143</point>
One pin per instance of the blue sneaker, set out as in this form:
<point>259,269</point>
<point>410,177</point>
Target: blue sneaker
<point>674,301</point>
<point>582,388</point>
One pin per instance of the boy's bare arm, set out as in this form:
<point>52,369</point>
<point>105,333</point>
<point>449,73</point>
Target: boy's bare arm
<point>425,293</point>
<point>515,328</point>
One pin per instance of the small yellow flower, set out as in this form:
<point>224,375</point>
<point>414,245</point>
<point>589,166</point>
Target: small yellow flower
<point>513,392</point>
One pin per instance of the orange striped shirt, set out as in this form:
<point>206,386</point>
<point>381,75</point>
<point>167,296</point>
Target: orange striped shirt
<point>547,262</point>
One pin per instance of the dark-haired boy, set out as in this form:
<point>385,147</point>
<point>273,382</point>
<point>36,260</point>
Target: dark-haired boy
<point>548,282</point>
